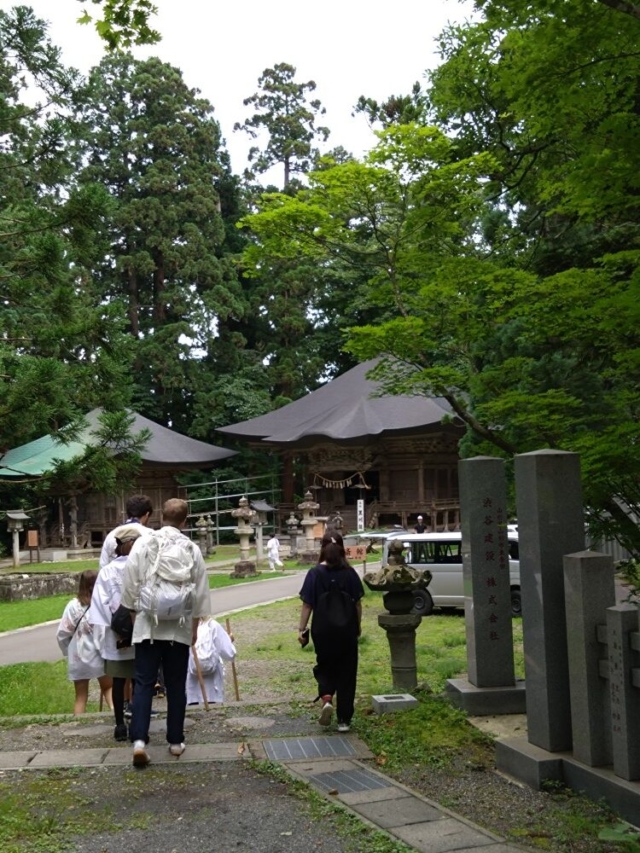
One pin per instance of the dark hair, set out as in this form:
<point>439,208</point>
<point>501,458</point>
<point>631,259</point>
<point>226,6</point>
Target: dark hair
<point>139,505</point>
<point>85,586</point>
<point>332,551</point>
<point>174,511</point>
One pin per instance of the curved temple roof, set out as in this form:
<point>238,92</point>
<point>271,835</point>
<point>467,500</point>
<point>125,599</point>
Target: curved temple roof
<point>344,410</point>
<point>165,447</point>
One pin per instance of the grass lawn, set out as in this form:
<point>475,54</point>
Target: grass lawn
<point>22,614</point>
<point>269,652</point>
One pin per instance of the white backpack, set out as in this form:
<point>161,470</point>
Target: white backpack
<point>206,650</point>
<point>167,593</point>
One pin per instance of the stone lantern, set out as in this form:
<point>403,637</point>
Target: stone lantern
<point>15,523</point>
<point>397,581</point>
<point>211,548</point>
<point>293,530</point>
<point>261,509</point>
<point>246,517</point>
<point>308,508</point>
<point>201,525</point>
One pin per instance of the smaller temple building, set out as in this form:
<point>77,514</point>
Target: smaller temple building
<point>83,519</point>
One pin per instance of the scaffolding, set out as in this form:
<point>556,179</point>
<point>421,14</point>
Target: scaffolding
<point>224,497</point>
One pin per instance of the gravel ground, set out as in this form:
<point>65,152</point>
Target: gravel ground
<point>275,706</point>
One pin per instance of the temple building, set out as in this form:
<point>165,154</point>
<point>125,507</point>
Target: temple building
<point>397,453</point>
<point>81,519</point>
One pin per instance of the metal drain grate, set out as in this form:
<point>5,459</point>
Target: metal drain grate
<point>349,781</point>
<point>294,749</point>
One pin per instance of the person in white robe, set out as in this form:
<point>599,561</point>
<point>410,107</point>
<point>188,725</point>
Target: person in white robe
<point>210,634</point>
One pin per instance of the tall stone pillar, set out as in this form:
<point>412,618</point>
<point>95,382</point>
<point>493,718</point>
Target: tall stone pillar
<point>487,587</point>
<point>550,525</point>
<point>589,589</point>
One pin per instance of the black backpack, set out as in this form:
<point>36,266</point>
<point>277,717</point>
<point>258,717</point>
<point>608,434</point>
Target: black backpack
<point>335,612</point>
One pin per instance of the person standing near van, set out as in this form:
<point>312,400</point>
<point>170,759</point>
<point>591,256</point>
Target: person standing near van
<point>420,527</point>
<point>332,592</point>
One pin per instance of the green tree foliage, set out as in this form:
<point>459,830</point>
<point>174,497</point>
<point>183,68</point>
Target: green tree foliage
<point>59,351</point>
<point>153,144</point>
<point>284,112</point>
<point>553,97</point>
<point>123,23</point>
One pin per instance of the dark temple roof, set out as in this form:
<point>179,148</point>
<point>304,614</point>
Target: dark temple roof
<point>344,410</point>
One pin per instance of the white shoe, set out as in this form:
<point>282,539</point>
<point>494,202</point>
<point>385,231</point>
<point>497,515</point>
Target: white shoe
<point>343,727</point>
<point>177,749</point>
<point>325,714</point>
<point>140,754</point>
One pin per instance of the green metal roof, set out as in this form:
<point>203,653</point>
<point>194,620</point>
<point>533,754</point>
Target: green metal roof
<point>165,447</point>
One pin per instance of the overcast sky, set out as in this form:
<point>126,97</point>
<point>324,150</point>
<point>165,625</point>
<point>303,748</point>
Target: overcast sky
<point>349,47</point>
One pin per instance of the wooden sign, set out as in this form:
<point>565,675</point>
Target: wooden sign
<point>356,552</point>
<point>32,538</point>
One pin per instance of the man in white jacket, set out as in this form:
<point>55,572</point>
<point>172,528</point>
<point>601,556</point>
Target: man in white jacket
<point>157,637</point>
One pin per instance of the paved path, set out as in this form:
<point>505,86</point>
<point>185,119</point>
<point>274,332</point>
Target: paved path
<point>341,773</point>
<point>38,643</point>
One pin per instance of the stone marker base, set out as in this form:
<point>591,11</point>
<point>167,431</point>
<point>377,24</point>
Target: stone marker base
<point>308,557</point>
<point>478,701</point>
<point>245,569</point>
<point>534,766</point>
<point>393,702</point>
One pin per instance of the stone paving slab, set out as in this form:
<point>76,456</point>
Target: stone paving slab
<point>317,766</point>
<point>399,812</point>
<point>443,836</point>
<point>15,760</point>
<point>376,795</point>
<point>69,758</point>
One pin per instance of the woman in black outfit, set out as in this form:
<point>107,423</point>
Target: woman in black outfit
<point>332,591</point>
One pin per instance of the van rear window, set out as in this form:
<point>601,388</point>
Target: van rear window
<point>435,552</point>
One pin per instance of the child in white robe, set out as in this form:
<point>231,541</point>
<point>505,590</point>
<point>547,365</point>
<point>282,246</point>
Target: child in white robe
<point>215,646</point>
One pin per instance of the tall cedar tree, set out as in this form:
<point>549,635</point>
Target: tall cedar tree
<point>60,353</point>
<point>153,143</point>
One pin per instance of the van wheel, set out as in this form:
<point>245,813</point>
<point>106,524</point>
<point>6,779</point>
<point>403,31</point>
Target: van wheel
<point>516,603</point>
<point>422,602</point>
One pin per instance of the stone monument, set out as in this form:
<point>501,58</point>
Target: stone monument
<point>491,687</point>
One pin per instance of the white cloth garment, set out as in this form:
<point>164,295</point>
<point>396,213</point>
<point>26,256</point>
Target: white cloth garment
<point>213,681</point>
<point>273,553</point>
<point>136,570</point>
<point>105,600</point>
<point>81,644</point>
<point>108,553</point>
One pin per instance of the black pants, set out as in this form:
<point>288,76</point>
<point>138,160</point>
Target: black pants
<point>174,658</point>
<point>336,671</point>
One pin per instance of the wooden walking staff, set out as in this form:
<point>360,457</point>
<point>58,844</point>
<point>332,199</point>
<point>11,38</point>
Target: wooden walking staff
<point>233,667</point>
<point>200,678</point>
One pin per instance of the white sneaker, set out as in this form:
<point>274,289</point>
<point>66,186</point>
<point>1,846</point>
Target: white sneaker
<point>325,714</point>
<point>177,749</point>
<point>343,727</point>
<point>140,754</point>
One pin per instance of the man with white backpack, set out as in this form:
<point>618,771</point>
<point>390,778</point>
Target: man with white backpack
<point>165,587</point>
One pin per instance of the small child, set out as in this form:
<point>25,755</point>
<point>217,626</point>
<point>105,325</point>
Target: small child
<point>81,647</point>
<point>213,646</point>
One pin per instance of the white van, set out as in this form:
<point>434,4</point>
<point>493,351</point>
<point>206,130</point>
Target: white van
<point>441,553</point>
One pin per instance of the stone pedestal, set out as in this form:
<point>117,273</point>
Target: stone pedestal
<point>244,569</point>
<point>401,633</point>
